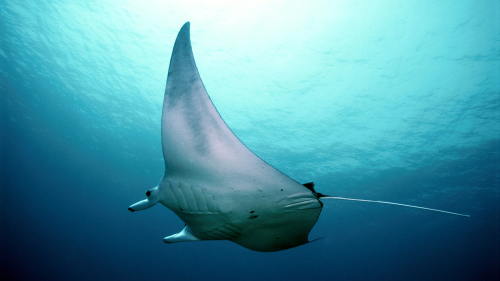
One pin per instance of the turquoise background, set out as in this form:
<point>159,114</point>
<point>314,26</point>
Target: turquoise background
<point>382,100</point>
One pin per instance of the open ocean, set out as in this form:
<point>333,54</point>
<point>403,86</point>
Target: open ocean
<point>383,100</point>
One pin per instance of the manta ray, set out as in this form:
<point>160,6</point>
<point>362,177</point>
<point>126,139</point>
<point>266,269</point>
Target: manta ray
<point>214,183</point>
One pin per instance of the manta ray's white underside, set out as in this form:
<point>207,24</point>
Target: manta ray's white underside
<point>213,182</point>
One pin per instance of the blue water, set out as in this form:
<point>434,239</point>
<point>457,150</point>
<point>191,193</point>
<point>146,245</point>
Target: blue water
<point>391,100</point>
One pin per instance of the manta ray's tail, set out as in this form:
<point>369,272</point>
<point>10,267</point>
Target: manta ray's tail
<point>391,203</point>
<point>310,186</point>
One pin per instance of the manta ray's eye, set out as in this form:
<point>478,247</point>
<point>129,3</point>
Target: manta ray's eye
<point>148,193</point>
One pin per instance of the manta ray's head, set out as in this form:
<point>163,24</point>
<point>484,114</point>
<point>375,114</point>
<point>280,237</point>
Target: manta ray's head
<point>153,197</point>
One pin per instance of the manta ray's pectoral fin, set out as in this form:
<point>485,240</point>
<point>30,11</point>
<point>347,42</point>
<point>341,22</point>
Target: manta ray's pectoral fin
<point>186,235</point>
<point>153,198</point>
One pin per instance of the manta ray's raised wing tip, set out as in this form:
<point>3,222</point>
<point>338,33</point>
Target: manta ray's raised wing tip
<point>185,28</point>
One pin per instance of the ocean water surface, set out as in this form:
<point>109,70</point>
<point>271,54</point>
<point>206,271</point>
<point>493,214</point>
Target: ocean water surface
<point>382,100</point>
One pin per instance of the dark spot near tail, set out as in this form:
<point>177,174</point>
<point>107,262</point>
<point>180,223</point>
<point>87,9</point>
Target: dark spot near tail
<point>310,186</point>
<point>251,212</point>
<point>130,209</point>
<point>253,217</point>
<point>181,209</point>
<point>277,238</point>
<point>148,193</point>
<point>281,190</point>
